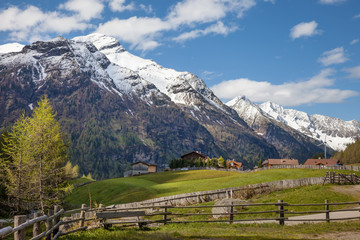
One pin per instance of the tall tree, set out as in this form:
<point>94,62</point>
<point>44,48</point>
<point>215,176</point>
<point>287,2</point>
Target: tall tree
<point>16,164</point>
<point>49,154</point>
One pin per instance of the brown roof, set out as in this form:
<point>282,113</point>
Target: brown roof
<point>281,162</point>
<point>149,164</point>
<point>237,164</point>
<point>327,162</point>
<point>200,154</point>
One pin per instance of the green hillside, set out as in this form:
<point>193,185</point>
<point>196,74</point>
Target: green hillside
<point>132,189</point>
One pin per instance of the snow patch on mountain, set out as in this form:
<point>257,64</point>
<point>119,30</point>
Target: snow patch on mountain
<point>336,132</point>
<point>11,47</point>
<point>247,110</point>
<point>182,87</point>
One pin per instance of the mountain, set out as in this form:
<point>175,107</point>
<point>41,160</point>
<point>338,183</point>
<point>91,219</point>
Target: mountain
<point>337,133</point>
<point>118,108</point>
<point>289,142</point>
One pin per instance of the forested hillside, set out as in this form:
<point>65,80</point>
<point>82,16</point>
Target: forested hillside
<point>351,154</point>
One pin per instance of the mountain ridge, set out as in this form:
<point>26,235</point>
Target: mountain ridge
<point>114,116</point>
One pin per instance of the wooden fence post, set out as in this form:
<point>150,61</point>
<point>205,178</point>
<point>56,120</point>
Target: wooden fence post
<point>165,215</point>
<point>231,220</point>
<point>82,214</point>
<point>21,234</point>
<point>37,226</point>
<point>281,212</point>
<point>48,223</point>
<point>56,219</point>
<point>327,214</point>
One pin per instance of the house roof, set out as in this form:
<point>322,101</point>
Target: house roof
<point>281,162</point>
<point>239,164</point>
<point>327,162</point>
<point>200,154</point>
<point>148,164</point>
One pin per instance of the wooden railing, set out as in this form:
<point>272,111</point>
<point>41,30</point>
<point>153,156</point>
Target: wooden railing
<point>51,221</point>
<point>278,212</point>
<point>339,178</point>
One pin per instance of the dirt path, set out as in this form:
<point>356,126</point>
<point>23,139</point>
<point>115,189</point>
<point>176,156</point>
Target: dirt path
<point>353,190</point>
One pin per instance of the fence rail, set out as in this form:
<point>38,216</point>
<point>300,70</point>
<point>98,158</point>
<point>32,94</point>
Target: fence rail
<point>279,212</point>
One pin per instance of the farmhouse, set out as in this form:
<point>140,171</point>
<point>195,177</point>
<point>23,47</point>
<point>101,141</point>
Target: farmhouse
<point>234,165</point>
<point>277,162</point>
<point>193,156</point>
<point>325,162</point>
<point>139,168</point>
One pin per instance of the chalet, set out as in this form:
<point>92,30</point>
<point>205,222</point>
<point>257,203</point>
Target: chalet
<point>139,168</point>
<point>324,162</point>
<point>193,156</point>
<point>234,165</point>
<point>277,162</point>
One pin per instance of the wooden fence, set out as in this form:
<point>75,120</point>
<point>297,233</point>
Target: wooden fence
<point>339,178</point>
<point>51,222</point>
<point>337,167</point>
<point>279,212</point>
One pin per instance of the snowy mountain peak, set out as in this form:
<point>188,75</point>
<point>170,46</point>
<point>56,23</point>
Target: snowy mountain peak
<point>237,100</point>
<point>337,133</point>
<point>11,47</point>
<point>101,41</point>
<point>183,88</point>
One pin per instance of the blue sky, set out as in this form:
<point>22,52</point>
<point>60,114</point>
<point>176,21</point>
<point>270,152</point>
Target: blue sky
<point>303,54</point>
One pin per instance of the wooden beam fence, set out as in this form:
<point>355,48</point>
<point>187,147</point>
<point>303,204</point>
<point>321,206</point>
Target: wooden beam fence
<point>279,212</point>
<point>340,178</point>
<point>52,223</point>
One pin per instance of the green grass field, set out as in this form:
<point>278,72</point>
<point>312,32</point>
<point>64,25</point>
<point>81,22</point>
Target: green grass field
<point>220,231</point>
<point>309,194</point>
<point>132,189</point>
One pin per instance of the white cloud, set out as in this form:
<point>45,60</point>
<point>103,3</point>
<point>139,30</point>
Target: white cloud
<point>15,19</point>
<point>141,36</point>
<point>354,72</point>
<point>143,33</point>
<point>120,6</point>
<point>147,9</point>
<point>334,56</point>
<point>189,13</point>
<point>355,41</point>
<point>315,90</point>
<point>304,29</point>
<point>34,24</point>
<point>272,1</point>
<point>86,9</point>
<point>357,16</point>
<point>331,1</point>
<point>218,28</point>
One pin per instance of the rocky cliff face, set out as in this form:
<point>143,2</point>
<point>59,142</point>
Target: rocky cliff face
<point>118,108</point>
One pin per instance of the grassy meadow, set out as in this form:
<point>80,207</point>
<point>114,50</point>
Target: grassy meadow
<point>138,188</point>
<point>267,231</point>
<point>220,231</point>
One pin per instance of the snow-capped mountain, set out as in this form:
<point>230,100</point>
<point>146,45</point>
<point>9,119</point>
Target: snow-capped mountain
<point>119,108</point>
<point>336,132</point>
<point>183,88</point>
<point>286,139</point>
